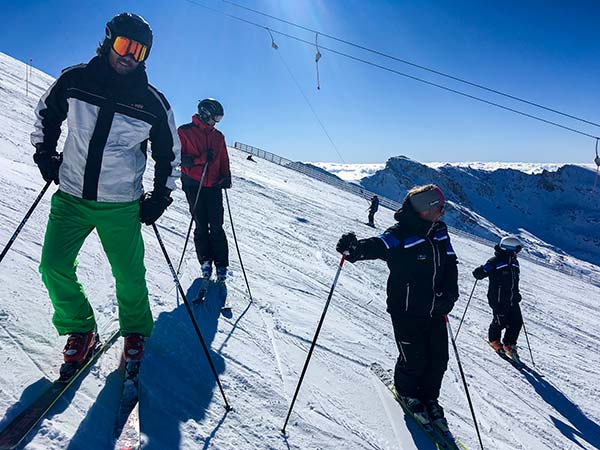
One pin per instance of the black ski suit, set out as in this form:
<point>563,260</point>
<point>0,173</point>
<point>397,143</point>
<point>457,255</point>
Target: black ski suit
<point>421,289</point>
<point>503,295</point>
<point>373,207</point>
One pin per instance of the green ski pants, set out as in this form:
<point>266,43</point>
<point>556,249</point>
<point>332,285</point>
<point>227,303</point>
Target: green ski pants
<point>71,221</point>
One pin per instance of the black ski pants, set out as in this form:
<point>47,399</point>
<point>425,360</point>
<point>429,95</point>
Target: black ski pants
<point>511,320</point>
<point>371,216</point>
<point>209,236</point>
<point>423,359</point>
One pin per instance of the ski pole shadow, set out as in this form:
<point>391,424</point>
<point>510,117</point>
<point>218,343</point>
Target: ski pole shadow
<point>176,381</point>
<point>580,425</point>
<point>235,325</point>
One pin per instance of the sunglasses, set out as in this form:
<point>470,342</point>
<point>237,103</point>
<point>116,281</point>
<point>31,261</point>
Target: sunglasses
<point>124,46</point>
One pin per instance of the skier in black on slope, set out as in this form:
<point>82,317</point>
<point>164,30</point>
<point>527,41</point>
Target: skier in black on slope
<point>111,111</point>
<point>503,295</point>
<point>373,207</point>
<point>421,289</point>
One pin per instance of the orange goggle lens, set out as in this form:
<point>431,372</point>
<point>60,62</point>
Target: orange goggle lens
<point>124,46</point>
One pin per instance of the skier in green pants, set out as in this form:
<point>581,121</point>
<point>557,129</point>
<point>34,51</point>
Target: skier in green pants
<point>112,112</point>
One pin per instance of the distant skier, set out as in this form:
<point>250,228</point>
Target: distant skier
<point>421,289</point>
<point>111,113</point>
<point>250,158</point>
<point>503,295</point>
<point>373,207</point>
<point>203,150</point>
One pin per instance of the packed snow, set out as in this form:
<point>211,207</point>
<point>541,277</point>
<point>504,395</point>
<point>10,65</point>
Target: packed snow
<point>287,225</point>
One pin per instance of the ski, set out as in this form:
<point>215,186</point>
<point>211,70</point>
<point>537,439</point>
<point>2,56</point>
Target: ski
<point>126,432</point>
<point>441,439</point>
<point>204,284</point>
<point>20,427</point>
<point>217,289</point>
<point>517,364</point>
<point>224,300</point>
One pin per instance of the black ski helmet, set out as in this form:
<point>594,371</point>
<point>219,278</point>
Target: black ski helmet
<point>209,108</point>
<point>128,25</point>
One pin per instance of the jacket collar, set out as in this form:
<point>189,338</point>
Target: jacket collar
<point>202,125</point>
<point>100,69</point>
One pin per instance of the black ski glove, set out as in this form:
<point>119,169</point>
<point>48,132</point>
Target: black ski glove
<point>48,163</point>
<point>444,303</point>
<point>348,244</point>
<point>210,155</point>
<point>187,161</point>
<point>225,183</point>
<point>479,273</point>
<point>152,205</point>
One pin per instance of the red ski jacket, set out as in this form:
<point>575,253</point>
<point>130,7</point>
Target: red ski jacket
<point>196,138</point>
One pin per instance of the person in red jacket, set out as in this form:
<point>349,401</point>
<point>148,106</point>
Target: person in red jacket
<point>204,172</point>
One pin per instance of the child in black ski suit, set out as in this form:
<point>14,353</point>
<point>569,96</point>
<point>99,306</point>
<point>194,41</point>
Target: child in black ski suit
<point>421,290</point>
<point>503,294</point>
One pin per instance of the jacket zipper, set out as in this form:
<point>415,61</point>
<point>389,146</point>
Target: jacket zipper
<point>433,278</point>
<point>512,281</point>
<point>407,294</point>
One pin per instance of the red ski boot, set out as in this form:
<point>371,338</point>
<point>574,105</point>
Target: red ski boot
<point>496,345</point>
<point>79,347</point>
<point>134,347</point>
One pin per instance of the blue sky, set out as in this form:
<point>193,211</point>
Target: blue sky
<point>544,51</point>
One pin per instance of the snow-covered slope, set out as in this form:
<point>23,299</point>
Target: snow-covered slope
<point>287,226</point>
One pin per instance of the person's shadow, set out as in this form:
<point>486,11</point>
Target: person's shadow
<point>28,396</point>
<point>580,425</point>
<point>176,382</point>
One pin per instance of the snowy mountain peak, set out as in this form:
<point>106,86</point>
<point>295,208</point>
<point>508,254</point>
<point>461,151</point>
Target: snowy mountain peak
<point>550,209</point>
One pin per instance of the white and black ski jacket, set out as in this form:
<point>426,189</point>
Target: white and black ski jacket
<point>423,279</point>
<point>110,118</point>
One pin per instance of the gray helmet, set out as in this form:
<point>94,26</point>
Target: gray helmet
<point>127,25</point>
<point>511,244</point>
<point>209,108</point>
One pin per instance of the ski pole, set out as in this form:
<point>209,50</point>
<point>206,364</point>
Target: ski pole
<point>529,346</point>
<point>465,312</point>
<point>236,245</point>
<point>187,237</point>
<point>25,219</point>
<point>464,380</point>
<point>314,341</point>
<point>189,310</point>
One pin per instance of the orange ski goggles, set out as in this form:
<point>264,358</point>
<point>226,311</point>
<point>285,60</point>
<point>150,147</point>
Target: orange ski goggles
<point>124,46</point>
